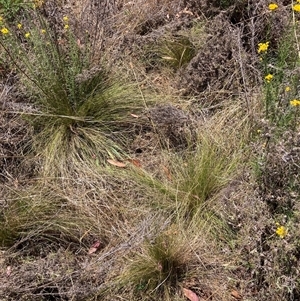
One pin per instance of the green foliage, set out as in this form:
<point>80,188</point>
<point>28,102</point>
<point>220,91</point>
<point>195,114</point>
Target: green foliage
<point>81,109</point>
<point>172,51</point>
<point>177,51</point>
<point>10,8</point>
<point>281,82</point>
<point>160,266</point>
<point>203,172</point>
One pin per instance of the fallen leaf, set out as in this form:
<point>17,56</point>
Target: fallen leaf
<point>190,295</point>
<point>95,246</point>
<point>116,163</point>
<point>235,294</point>
<point>8,271</point>
<point>135,116</point>
<point>79,44</point>
<point>135,162</point>
<point>167,172</point>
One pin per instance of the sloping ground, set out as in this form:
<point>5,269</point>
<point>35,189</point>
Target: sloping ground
<point>204,205</point>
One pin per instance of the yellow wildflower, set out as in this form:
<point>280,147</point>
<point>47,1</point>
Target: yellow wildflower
<point>268,77</point>
<point>281,231</point>
<point>43,31</point>
<point>19,25</point>
<point>27,35</point>
<point>38,3</point>
<point>4,30</point>
<point>66,19</point>
<point>66,26</point>
<point>287,89</point>
<point>273,6</point>
<point>295,102</point>
<point>296,7</point>
<point>263,47</point>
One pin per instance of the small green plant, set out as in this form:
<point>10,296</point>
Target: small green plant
<point>202,173</point>
<point>281,94</point>
<point>172,51</point>
<point>161,265</point>
<point>176,51</point>
<point>81,111</point>
<point>9,8</point>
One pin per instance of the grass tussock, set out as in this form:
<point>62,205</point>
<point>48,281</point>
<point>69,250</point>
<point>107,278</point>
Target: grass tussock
<point>119,199</point>
<point>43,216</point>
<point>162,265</point>
<point>78,108</point>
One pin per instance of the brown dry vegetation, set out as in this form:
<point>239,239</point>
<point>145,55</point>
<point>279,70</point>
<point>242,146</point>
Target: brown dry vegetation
<point>203,172</point>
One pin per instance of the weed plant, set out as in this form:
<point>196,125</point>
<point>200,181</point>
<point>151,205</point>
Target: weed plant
<point>277,175</point>
<point>79,109</point>
<point>280,87</point>
<point>10,8</point>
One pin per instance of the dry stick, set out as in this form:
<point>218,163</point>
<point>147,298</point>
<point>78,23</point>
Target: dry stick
<point>295,32</point>
<point>143,97</point>
<point>141,92</point>
<point>249,109</point>
<point>20,69</point>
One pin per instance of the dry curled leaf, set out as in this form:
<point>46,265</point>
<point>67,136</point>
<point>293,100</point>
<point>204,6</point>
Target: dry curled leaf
<point>135,162</point>
<point>190,295</point>
<point>95,246</point>
<point>167,172</point>
<point>116,163</point>
<point>235,294</point>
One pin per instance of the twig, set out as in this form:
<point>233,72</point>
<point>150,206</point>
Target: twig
<point>295,32</point>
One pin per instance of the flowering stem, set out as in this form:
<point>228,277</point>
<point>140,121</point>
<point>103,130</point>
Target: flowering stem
<point>13,60</point>
<point>295,32</point>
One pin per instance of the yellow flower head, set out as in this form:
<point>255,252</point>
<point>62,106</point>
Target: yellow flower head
<point>19,25</point>
<point>43,31</point>
<point>66,19</point>
<point>38,3</point>
<point>27,35</point>
<point>66,26</point>
<point>295,102</point>
<point>4,31</point>
<point>287,89</point>
<point>296,7</point>
<point>263,47</point>
<point>268,77</point>
<point>281,231</point>
<point>273,6</point>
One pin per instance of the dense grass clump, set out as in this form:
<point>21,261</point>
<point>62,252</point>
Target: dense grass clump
<point>104,196</point>
<point>80,111</point>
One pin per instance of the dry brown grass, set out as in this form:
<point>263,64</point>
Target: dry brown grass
<point>159,230</point>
